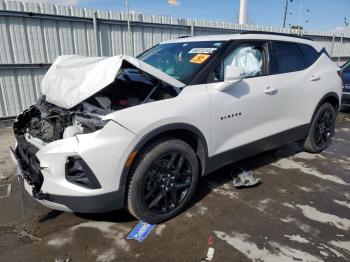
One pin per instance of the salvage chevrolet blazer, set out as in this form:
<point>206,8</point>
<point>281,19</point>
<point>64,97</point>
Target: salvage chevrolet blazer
<point>139,132</point>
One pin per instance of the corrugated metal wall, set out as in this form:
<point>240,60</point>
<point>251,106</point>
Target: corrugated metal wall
<point>32,35</point>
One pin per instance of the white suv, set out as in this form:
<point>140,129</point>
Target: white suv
<point>139,132</point>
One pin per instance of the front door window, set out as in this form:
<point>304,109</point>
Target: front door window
<point>249,56</point>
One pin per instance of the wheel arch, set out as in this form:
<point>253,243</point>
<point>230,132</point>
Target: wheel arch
<point>331,98</point>
<point>186,132</point>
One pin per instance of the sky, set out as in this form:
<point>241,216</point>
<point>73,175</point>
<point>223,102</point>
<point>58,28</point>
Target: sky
<point>322,14</point>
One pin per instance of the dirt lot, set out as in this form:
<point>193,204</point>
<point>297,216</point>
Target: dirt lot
<point>301,212</point>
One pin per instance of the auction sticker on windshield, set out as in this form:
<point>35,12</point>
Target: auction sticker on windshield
<point>207,50</point>
<point>199,58</point>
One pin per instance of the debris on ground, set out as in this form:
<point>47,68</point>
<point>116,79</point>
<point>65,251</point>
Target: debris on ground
<point>49,216</point>
<point>244,179</point>
<point>24,235</point>
<point>24,199</point>
<point>211,251</point>
<point>5,190</point>
<point>210,240</point>
<point>140,231</point>
<point>63,259</point>
<point>210,254</point>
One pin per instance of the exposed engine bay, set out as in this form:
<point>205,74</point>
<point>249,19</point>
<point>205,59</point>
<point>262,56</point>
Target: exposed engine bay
<point>131,87</point>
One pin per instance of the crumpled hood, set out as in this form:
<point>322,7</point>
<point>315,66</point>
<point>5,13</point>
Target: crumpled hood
<point>71,79</point>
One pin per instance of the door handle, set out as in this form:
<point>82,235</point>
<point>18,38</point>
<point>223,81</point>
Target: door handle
<point>315,78</point>
<point>270,90</point>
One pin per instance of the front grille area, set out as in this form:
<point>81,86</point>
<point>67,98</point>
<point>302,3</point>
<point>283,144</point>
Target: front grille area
<point>29,163</point>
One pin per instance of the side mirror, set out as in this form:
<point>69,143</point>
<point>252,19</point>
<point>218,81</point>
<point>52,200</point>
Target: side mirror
<point>233,74</point>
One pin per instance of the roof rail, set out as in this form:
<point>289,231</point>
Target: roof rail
<point>274,33</point>
<point>184,36</point>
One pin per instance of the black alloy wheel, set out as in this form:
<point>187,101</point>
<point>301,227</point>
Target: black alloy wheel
<point>324,128</point>
<point>162,180</point>
<point>321,129</point>
<point>167,182</point>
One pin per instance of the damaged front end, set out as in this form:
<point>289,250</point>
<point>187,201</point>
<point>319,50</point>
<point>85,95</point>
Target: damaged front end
<point>60,115</point>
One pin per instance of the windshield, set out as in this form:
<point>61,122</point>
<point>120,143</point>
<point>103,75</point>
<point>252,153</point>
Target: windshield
<point>181,60</point>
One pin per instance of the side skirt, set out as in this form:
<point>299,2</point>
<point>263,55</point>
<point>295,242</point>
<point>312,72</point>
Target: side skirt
<point>262,145</point>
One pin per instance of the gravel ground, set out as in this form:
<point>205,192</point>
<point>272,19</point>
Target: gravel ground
<point>300,212</point>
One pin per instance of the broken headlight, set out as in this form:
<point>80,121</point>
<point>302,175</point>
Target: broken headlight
<point>90,124</point>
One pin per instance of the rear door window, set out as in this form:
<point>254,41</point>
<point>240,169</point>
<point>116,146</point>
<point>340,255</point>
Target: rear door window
<point>287,57</point>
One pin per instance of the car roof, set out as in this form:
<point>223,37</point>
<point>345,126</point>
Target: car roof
<point>248,36</point>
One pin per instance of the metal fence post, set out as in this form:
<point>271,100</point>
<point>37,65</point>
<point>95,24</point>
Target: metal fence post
<point>3,107</point>
<point>192,28</point>
<point>332,46</point>
<point>130,34</point>
<point>341,43</point>
<point>97,38</point>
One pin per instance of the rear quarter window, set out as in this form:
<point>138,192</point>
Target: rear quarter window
<point>310,54</point>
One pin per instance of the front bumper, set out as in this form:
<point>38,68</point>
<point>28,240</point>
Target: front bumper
<point>44,170</point>
<point>80,204</point>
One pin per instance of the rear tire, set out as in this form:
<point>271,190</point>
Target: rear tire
<point>162,180</point>
<point>321,129</point>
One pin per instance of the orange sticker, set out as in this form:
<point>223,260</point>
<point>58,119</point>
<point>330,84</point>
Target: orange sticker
<point>199,58</point>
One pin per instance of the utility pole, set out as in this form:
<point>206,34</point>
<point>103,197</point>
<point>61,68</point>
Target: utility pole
<point>127,14</point>
<point>128,21</point>
<point>286,12</point>
<point>243,12</point>
<point>300,10</point>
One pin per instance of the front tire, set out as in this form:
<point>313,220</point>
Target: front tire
<point>321,129</point>
<point>162,180</point>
